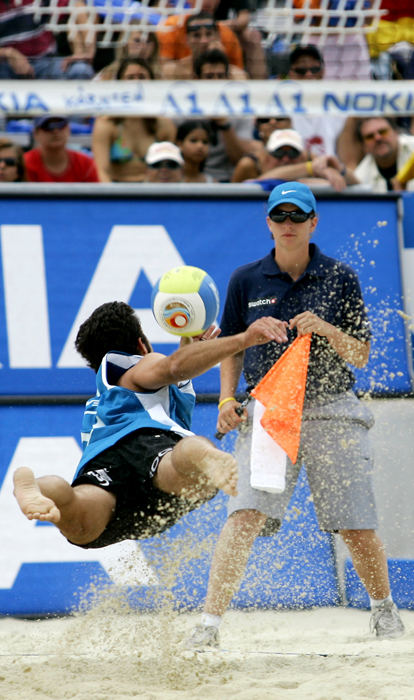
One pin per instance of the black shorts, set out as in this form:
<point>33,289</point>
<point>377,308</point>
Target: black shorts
<point>127,469</point>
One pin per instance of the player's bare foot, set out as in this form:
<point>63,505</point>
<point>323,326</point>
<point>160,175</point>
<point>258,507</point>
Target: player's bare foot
<point>220,468</point>
<point>33,504</point>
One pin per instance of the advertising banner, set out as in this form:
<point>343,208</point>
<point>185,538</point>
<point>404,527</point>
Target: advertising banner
<point>204,98</point>
<point>62,257</point>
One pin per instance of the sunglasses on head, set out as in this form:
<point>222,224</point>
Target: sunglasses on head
<point>170,164</point>
<point>312,69</point>
<point>372,135</point>
<point>297,217</point>
<point>8,161</point>
<point>198,27</point>
<point>288,151</point>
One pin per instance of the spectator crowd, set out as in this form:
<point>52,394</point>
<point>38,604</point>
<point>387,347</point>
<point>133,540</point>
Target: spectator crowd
<point>221,41</point>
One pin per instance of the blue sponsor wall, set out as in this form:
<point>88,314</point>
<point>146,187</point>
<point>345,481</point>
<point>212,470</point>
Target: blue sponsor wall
<point>300,573</point>
<point>217,234</point>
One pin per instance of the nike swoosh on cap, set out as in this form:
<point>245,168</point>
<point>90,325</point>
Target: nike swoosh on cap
<point>287,191</point>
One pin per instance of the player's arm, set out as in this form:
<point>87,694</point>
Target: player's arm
<point>352,350</point>
<point>101,146</point>
<point>156,370</point>
<point>230,371</point>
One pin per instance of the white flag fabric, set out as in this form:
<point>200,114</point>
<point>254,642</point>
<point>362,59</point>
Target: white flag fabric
<point>267,459</point>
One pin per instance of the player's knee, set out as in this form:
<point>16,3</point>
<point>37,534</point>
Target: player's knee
<point>247,522</point>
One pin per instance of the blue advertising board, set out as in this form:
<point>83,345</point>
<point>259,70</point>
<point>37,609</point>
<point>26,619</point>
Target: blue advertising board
<point>63,256</point>
<point>41,573</point>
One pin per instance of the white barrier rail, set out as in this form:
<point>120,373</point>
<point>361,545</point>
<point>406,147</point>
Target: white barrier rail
<point>198,98</point>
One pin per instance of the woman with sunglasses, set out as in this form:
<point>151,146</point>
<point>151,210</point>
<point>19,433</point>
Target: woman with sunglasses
<point>11,162</point>
<point>164,163</point>
<point>307,292</point>
<point>119,144</point>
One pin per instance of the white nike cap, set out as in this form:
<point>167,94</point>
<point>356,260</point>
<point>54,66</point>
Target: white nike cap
<point>284,137</point>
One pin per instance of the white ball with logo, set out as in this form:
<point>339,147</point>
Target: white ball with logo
<point>185,301</point>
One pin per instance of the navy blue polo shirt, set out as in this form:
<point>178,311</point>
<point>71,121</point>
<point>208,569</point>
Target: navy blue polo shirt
<point>328,288</point>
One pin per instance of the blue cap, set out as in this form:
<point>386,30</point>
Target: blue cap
<point>294,193</point>
<point>51,119</point>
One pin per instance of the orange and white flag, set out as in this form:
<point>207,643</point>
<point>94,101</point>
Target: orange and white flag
<point>277,417</point>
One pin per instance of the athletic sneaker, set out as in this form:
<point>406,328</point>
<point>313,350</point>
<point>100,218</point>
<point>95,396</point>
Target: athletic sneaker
<point>386,622</point>
<point>203,636</point>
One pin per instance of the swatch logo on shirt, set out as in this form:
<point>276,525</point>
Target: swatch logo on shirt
<point>261,302</point>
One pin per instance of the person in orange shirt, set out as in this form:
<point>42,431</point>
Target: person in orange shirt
<point>173,44</point>
<point>202,34</point>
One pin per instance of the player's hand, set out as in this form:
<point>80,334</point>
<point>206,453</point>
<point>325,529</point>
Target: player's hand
<point>265,329</point>
<point>397,185</point>
<point>228,418</point>
<point>212,332</point>
<point>308,322</point>
<point>329,168</point>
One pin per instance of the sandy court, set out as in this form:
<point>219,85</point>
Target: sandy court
<point>110,653</point>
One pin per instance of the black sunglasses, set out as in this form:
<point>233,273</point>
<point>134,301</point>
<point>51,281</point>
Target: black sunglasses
<point>8,161</point>
<point>288,151</point>
<point>266,120</point>
<point>297,217</point>
<point>313,69</point>
<point>170,164</point>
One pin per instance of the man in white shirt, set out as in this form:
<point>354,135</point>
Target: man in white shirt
<point>386,151</point>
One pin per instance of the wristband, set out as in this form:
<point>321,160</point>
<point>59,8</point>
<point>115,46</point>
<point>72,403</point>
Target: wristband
<point>223,401</point>
<point>223,127</point>
<point>309,168</point>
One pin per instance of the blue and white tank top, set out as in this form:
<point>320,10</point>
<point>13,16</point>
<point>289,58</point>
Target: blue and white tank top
<point>115,411</point>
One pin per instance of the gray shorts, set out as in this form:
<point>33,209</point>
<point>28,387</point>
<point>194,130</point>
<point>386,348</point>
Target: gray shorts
<point>336,452</point>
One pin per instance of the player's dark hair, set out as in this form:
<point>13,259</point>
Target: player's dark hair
<point>133,61</point>
<point>308,50</point>
<point>213,56</point>
<point>112,326</point>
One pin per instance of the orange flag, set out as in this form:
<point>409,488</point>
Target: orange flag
<point>282,391</point>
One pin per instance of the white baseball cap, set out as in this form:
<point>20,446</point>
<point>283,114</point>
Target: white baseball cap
<point>163,150</point>
<point>284,137</point>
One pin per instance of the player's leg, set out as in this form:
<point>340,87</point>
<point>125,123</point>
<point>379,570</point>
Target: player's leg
<point>226,572</point>
<point>248,513</point>
<point>370,562</point>
<point>340,478</point>
<point>81,513</point>
<point>230,558</point>
<point>369,559</point>
<point>194,468</point>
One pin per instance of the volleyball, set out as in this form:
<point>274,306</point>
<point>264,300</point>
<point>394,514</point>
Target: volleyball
<point>185,301</point>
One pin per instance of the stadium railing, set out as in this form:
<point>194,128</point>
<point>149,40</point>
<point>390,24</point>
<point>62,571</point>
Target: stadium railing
<point>287,20</point>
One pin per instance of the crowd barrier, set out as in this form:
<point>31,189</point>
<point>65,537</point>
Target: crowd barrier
<point>207,98</point>
<point>65,251</point>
